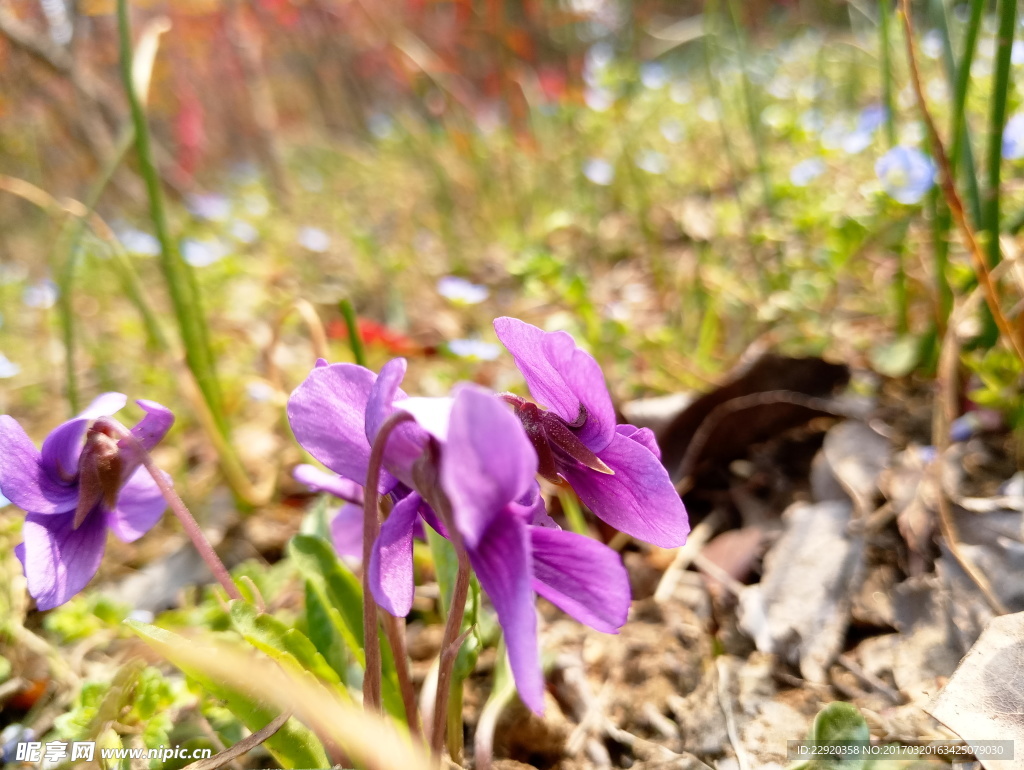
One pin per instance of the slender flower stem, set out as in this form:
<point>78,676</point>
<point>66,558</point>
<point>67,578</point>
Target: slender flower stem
<point>371,528</point>
<point>396,638</point>
<point>186,518</point>
<point>449,650</point>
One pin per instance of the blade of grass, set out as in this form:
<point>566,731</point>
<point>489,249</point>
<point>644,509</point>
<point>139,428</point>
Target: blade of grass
<point>178,274</point>
<point>961,152</point>
<point>750,108</point>
<point>997,123</point>
<point>956,207</point>
<point>355,339</point>
<point>994,151</point>
<point>884,43</point>
<point>69,240</point>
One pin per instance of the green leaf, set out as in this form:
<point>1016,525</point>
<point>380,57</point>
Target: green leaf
<point>337,589</point>
<point>839,723</point>
<point>897,358</point>
<point>286,645</point>
<point>446,566</point>
<point>341,596</point>
<point>322,634</point>
<point>293,746</point>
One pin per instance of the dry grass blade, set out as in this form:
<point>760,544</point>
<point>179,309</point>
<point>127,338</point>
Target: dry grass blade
<point>243,746</point>
<point>367,739</point>
<point>956,206</point>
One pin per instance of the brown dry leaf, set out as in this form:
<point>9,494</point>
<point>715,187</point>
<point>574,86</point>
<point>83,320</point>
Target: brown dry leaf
<point>757,401</point>
<point>801,607</point>
<point>857,455</point>
<point>985,698</point>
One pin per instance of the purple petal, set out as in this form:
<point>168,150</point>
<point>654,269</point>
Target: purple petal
<point>347,531</point>
<point>154,426</point>
<point>391,576</point>
<point>405,444</point>
<point>530,508</point>
<point>58,560</point>
<point>148,432</point>
<point>561,377</point>
<point>23,479</point>
<point>501,561</point>
<point>61,448</point>
<point>327,413</point>
<point>430,517</point>
<point>139,507</point>
<point>581,576</point>
<point>644,436</point>
<point>488,461</point>
<point>639,499</point>
<point>321,481</point>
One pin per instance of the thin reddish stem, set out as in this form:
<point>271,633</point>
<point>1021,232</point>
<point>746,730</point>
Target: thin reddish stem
<point>371,529</point>
<point>188,522</point>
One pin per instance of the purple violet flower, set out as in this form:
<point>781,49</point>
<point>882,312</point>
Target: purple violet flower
<point>488,469</point>
<point>488,475</point>
<point>335,414</point>
<point>84,481</point>
<point>615,469</point>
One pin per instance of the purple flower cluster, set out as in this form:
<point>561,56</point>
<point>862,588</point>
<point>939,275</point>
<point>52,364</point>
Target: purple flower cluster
<point>85,480</point>
<point>469,463</point>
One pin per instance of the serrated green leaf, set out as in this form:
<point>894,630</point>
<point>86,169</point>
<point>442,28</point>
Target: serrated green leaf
<point>286,645</point>
<point>341,596</point>
<point>293,746</point>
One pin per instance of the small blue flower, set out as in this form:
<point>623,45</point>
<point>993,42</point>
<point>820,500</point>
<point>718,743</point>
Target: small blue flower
<point>906,174</point>
<point>260,391</point>
<point>380,125</point>
<point>857,141</point>
<point>10,737</point>
<point>210,206</point>
<point>1013,137</point>
<point>8,368</point>
<point>256,205</point>
<point>599,171</point>
<point>806,171</point>
<point>651,161</point>
<point>314,239</point>
<point>139,242</point>
<point>243,231</point>
<point>475,349</point>
<point>871,118</point>
<point>812,122</point>
<point>461,291</point>
<point>673,130</point>
<point>596,61</point>
<point>931,44</point>
<point>203,253</point>
<point>653,75</point>
<point>680,92</point>
<point>42,295</point>
<point>598,98</point>
<point>1017,52</point>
